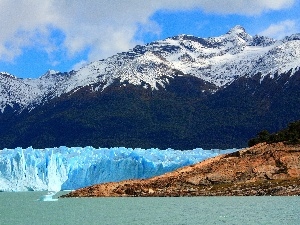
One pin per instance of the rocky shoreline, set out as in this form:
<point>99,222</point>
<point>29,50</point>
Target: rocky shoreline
<point>264,169</point>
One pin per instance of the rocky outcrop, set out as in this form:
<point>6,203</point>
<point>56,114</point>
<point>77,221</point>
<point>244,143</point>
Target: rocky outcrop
<point>264,169</point>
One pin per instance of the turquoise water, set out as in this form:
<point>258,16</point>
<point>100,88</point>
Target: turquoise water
<point>23,208</point>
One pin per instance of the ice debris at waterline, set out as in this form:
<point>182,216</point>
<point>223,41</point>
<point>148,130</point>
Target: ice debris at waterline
<point>48,197</point>
<point>64,168</point>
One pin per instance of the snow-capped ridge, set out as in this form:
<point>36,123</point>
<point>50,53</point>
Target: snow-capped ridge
<point>238,29</point>
<point>50,73</point>
<point>217,60</point>
<point>8,75</point>
<point>262,41</point>
<point>293,37</point>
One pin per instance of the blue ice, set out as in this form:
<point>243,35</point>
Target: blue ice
<point>63,168</point>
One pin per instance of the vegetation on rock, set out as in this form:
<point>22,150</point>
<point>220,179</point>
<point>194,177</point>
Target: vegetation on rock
<point>289,135</point>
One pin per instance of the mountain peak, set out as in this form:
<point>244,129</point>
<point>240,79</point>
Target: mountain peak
<point>237,30</point>
<point>7,74</point>
<point>50,73</point>
<point>216,60</point>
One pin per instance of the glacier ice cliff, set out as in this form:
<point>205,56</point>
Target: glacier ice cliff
<point>64,168</point>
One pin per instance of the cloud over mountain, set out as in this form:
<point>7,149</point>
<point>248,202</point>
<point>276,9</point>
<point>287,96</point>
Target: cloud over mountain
<point>103,27</point>
<point>281,29</point>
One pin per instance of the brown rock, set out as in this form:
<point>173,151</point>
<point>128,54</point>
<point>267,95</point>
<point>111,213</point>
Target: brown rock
<point>264,169</point>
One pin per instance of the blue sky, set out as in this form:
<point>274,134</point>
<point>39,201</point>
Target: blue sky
<point>63,35</point>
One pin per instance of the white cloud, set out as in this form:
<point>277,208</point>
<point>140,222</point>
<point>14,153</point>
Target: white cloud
<point>281,29</point>
<point>103,26</point>
<point>79,65</point>
<point>244,7</point>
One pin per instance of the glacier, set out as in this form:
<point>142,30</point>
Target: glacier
<point>64,168</point>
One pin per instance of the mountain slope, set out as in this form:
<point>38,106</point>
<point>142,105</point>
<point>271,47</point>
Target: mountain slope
<point>182,92</point>
<point>218,60</point>
<point>180,117</point>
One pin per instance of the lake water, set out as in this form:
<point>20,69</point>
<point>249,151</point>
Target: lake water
<point>23,208</point>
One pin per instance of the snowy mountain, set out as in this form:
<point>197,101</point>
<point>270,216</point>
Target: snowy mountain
<point>183,92</point>
<point>217,60</point>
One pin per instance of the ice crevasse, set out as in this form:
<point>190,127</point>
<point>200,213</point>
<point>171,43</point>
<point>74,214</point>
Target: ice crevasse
<point>64,168</point>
